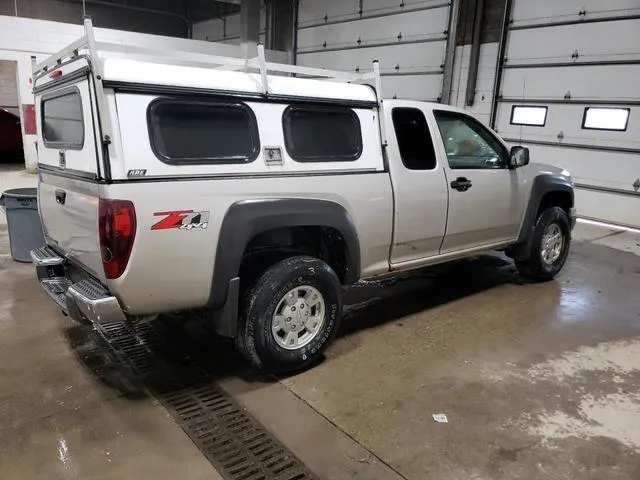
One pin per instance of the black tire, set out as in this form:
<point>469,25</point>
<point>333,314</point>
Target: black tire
<point>535,268</point>
<point>257,342</point>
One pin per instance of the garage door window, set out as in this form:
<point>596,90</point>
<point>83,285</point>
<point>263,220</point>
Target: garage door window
<point>322,134</point>
<point>414,139</point>
<point>596,118</point>
<point>195,132</point>
<point>529,116</point>
<point>62,120</point>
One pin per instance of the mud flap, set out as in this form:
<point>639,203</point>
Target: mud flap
<point>225,320</point>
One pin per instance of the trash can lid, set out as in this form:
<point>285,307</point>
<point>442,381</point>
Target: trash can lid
<point>21,193</point>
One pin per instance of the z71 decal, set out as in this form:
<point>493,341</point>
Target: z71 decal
<point>181,219</point>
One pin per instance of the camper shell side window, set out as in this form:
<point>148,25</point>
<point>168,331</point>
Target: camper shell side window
<point>190,131</point>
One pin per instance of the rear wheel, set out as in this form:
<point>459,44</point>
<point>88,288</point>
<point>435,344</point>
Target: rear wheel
<point>290,314</point>
<point>549,246</point>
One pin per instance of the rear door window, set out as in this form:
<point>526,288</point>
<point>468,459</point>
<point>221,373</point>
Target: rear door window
<point>200,132</point>
<point>322,133</point>
<point>62,120</point>
<point>414,139</point>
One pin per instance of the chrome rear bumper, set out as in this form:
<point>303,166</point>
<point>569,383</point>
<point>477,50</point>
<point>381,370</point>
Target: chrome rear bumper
<point>82,300</point>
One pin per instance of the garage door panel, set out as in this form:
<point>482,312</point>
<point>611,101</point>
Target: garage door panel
<point>614,82</point>
<point>412,87</point>
<point>416,58</point>
<point>608,207</point>
<point>422,25</point>
<point>590,167</point>
<point>591,41</point>
<point>385,6</point>
<point>312,11</point>
<point>527,12</point>
<point>546,43</point>
<point>568,120</point>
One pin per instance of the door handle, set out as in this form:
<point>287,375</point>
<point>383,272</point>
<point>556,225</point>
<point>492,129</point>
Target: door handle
<point>61,196</point>
<point>462,184</point>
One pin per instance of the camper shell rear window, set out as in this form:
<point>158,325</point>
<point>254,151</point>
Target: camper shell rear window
<point>62,119</point>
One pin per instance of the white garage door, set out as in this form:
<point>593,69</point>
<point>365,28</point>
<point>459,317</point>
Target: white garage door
<point>570,90</point>
<point>407,37</point>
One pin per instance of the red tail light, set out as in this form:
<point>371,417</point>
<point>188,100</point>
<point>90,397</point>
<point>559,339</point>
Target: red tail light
<point>117,229</point>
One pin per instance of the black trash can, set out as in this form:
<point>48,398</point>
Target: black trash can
<point>25,231</point>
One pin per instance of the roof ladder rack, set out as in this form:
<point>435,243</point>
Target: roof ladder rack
<point>185,57</point>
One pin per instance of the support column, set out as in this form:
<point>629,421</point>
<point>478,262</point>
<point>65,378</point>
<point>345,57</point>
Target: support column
<point>281,30</point>
<point>250,26</point>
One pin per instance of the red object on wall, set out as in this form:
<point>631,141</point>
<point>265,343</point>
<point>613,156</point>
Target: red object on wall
<point>29,117</point>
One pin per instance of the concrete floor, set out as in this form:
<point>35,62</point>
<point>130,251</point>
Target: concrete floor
<point>537,381</point>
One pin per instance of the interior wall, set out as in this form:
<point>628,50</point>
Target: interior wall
<point>102,15</point>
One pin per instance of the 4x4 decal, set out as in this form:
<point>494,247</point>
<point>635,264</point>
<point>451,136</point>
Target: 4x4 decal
<point>181,219</point>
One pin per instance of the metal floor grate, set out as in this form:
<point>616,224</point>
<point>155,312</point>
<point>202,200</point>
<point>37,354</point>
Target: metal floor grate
<point>234,442</point>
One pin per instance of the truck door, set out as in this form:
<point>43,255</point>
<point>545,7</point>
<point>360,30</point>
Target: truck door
<point>68,173</point>
<point>419,184</point>
<point>485,196</point>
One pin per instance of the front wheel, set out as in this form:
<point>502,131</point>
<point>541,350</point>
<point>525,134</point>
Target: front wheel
<point>291,314</point>
<point>550,243</point>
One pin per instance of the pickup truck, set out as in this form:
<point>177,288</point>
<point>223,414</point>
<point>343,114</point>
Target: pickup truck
<point>258,198</point>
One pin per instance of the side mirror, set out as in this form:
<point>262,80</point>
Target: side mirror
<point>519,157</point>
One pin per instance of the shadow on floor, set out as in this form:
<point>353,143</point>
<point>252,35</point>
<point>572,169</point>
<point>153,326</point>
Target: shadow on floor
<point>373,303</point>
<point>181,351</point>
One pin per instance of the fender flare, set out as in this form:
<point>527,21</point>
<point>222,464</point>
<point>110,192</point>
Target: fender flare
<point>248,218</point>
<point>542,185</point>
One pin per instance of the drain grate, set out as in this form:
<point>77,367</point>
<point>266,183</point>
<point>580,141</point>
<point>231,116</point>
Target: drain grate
<point>236,444</point>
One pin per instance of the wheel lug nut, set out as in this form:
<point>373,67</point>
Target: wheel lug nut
<point>288,319</point>
<point>293,309</point>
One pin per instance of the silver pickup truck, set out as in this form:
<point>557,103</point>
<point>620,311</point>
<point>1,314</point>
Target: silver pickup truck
<point>257,198</point>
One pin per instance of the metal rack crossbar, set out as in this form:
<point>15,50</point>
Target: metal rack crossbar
<point>188,58</point>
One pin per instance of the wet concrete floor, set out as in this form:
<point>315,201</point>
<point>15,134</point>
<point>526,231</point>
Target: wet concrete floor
<point>536,381</point>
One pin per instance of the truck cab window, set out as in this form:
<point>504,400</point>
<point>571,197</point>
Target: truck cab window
<point>468,144</point>
<point>414,139</point>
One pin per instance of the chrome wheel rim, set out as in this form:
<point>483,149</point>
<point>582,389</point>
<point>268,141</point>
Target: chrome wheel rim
<point>552,244</point>
<point>298,317</point>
